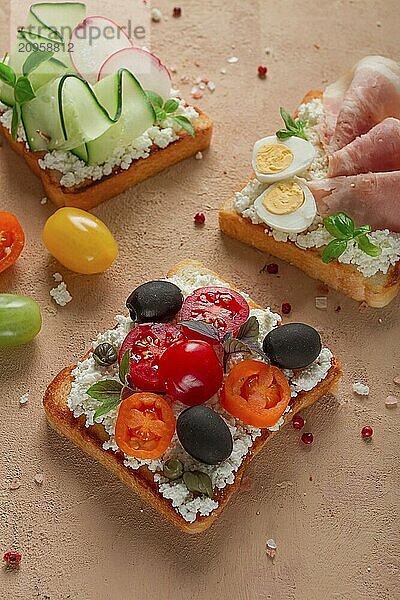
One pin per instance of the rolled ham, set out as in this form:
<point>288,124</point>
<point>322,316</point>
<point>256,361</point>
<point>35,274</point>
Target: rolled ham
<point>370,199</point>
<point>376,151</point>
<point>359,100</point>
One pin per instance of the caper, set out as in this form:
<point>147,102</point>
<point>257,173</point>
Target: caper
<point>105,355</point>
<point>198,482</point>
<point>173,469</point>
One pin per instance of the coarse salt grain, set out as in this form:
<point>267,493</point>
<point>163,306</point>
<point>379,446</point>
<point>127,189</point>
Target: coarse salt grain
<point>321,302</point>
<point>61,295</point>
<point>272,544</point>
<point>156,15</point>
<point>199,155</point>
<point>43,201</point>
<point>57,277</point>
<point>360,388</point>
<point>233,60</point>
<point>38,479</point>
<point>391,402</point>
<point>211,86</point>
<point>396,380</point>
<point>24,399</point>
<point>15,484</point>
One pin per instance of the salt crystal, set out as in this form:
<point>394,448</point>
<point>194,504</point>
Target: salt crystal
<point>223,71</point>
<point>211,86</point>
<point>194,90</point>
<point>57,277</point>
<point>24,399</point>
<point>43,201</point>
<point>321,302</point>
<point>396,380</point>
<point>391,402</point>
<point>272,544</point>
<point>199,156</point>
<point>202,86</point>
<point>38,479</point>
<point>268,51</point>
<point>232,60</point>
<point>360,388</point>
<point>15,484</point>
<point>156,15</point>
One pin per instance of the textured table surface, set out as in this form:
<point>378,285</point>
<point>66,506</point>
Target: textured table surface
<point>331,508</point>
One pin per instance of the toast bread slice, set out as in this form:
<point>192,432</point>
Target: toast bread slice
<point>90,439</point>
<point>89,193</point>
<point>377,291</point>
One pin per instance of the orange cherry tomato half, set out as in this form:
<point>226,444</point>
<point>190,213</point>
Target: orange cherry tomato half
<point>145,425</point>
<point>256,393</point>
<point>12,240</point>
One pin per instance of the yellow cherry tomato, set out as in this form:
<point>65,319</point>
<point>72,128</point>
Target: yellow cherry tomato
<point>80,241</point>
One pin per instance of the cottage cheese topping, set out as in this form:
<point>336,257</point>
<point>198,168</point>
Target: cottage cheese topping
<point>317,236</point>
<point>88,372</point>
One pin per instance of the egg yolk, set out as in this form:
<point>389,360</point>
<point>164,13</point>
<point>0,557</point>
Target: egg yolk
<point>283,198</point>
<point>273,158</point>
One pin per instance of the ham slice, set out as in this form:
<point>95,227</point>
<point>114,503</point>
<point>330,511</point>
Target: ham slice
<point>362,98</point>
<point>371,199</point>
<point>376,151</point>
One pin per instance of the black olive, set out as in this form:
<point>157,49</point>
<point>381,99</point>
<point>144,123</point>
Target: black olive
<point>204,435</point>
<point>155,302</point>
<point>292,346</point>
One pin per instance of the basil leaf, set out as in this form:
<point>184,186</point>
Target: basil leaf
<point>198,482</point>
<point>250,330</point>
<point>233,345</point>
<point>161,115</point>
<point>201,327</point>
<point>333,250</point>
<point>23,90</point>
<point>362,230</point>
<point>106,407</point>
<point>185,124</point>
<point>105,390</point>
<point>16,117</point>
<point>155,99</point>
<point>365,244</point>
<point>34,60</point>
<point>124,366</point>
<point>287,119</point>
<point>7,75</point>
<point>283,134</point>
<point>171,105</point>
<point>341,226</point>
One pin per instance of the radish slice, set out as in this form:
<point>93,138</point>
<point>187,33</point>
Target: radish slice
<point>92,41</point>
<point>145,66</point>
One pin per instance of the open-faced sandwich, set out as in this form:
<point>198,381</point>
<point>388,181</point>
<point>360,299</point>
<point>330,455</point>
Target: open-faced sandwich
<point>179,397</point>
<point>326,191</point>
<point>91,113</point>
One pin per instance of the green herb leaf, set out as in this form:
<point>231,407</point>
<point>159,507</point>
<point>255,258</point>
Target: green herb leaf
<point>233,345</point>
<point>341,226</point>
<point>283,134</point>
<point>106,407</point>
<point>155,99</point>
<point>161,115</point>
<point>198,482</point>
<point>106,390</point>
<point>201,327</point>
<point>287,118</point>
<point>171,105</point>
<point>173,469</point>
<point>333,250</point>
<point>365,244</point>
<point>362,230</point>
<point>7,75</point>
<point>185,124</point>
<point>124,366</point>
<point>293,128</point>
<point>16,117</point>
<point>34,61</point>
<point>249,331</point>
<point>23,90</point>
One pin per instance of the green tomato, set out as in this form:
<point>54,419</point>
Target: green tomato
<point>20,320</point>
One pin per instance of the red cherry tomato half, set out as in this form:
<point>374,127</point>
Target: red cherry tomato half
<point>191,371</point>
<point>145,425</point>
<point>147,343</point>
<point>223,308</point>
<point>12,240</point>
<point>256,393</point>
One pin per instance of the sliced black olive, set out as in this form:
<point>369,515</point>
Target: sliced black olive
<point>155,302</point>
<point>204,435</point>
<point>292,346</point>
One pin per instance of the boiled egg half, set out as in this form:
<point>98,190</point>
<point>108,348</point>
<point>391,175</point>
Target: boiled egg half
<point>274,159</point>
<point>287,206</point>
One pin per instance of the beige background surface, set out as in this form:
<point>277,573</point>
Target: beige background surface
<point>333,508</point>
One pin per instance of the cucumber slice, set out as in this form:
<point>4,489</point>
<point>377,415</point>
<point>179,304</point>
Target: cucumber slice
<point>56,20</point>
<point>64,115</point>
<point>81,152</point>
<point>122,95</point>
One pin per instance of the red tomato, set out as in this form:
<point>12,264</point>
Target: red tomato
<point>145,425</point>
<point>191,371</point>
<point>147,343</point>
<point>256,393</point>
<point>12,240</point>
<point>225,309</point>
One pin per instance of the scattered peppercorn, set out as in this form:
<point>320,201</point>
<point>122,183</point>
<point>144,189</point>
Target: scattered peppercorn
<point>199,218</point>
<point>12,558</point>
<point>307,438</point>
<point>286,308</point>
<point>272,268</point>
<point>367,432</point>
<point>262,71</point>
<point>338,308</point>
<point>297,422</point>
<point>177,12</point>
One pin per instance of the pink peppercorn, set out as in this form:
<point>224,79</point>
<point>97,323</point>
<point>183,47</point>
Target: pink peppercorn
<point>177,12</point>
<point>298,422</point>
<point>272,268</point>
<point>367,432</point>
<point>307,438</point>
<point>286,308</point>
<point>12,558</point>
<point>199,218</point>
<point>262,71</point>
